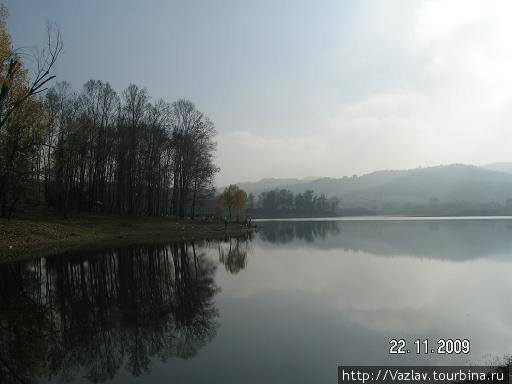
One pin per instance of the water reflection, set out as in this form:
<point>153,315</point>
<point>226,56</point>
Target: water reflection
<point>437,239</point>
<point>94,313</point>
<point>283,232</point>
<point>233,253</point>
<point>297,300</point>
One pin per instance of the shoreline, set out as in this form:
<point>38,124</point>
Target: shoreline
<point>29,238</point>
<point>388,218</point>
<point>25,238</point>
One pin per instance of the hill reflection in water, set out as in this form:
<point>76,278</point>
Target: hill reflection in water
<point>430,238</point>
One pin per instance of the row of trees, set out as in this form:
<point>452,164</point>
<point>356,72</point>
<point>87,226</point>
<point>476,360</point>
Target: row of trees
<point>124,154</point>
<point>97,149</point>
<point>284,201</point>
<point>234,203</point>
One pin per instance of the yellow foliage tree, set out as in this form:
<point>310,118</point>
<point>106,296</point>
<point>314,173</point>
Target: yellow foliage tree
<point>235,200</point>
<point>21,129</point>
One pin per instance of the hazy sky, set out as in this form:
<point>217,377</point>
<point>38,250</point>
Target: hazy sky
<point>305,88</point>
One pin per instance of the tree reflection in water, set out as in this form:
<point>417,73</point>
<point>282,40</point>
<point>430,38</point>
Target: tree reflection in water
<point>283,232</point>
<point>96,312</point>
<point>233,253</point>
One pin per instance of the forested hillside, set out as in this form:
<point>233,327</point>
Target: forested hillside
<point>449,189</point>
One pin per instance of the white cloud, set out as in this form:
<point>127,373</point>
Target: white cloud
<point>455,106</point>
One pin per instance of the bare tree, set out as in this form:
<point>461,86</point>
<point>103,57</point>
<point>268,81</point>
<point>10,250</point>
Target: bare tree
<point>44,58</point>
<point>21,133</point>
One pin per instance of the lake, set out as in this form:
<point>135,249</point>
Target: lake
<point>287,304</point>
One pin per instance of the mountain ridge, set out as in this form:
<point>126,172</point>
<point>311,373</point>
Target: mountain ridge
<point>475,186</point>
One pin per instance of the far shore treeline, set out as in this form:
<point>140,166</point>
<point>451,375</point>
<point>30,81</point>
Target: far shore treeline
<point>284,203</point>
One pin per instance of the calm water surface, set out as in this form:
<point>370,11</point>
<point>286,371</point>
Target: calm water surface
<point>286,305</point>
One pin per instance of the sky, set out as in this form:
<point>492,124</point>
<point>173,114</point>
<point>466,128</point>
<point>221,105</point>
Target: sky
<point>304,88</point>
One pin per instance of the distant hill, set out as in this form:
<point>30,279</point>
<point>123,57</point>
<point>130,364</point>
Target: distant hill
<point>465,187</point>
<point>499,167</point>
<point>267,184</point>
<point>450,184</point>
<point>326,185</point>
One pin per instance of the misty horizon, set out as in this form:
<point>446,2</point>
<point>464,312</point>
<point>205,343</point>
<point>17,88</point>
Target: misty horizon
<point>496,167</point>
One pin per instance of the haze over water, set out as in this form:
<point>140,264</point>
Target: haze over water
<point>288,305</point>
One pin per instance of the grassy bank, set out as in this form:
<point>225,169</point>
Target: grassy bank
<point>22,238</point>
